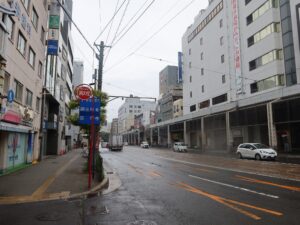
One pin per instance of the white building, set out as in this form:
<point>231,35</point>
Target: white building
<point>240,55</point>
<point>78,68</point>
<point>130,108</point>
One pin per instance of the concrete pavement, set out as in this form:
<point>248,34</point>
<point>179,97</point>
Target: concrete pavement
<point>56,177</point>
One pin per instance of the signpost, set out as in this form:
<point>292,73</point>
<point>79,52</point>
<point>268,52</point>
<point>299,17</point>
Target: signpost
<point>10,96</point>
<point>89,114</point>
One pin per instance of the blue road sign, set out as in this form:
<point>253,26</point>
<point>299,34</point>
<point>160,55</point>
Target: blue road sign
<point>86,110</point>
<point>10,96</point>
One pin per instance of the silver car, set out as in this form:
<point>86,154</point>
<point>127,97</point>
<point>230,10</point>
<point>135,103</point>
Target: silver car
<point>256,151</point>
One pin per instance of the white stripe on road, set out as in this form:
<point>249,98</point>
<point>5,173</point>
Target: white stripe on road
<point>229,169</point>
<point>232,186</point>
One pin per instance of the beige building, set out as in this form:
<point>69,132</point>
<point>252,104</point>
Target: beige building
<point>24,56</point>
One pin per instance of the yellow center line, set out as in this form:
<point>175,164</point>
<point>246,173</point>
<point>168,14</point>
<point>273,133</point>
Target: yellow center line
<point>228,202</point>
<point>248,179</point>
<point>155,174</point>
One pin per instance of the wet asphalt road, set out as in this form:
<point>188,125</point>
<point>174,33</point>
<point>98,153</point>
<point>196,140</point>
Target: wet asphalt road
<point>161,191</point>
<point>160,187</point>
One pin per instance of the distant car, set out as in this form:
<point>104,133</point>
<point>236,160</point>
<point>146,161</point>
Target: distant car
<point>256,151</point>
<point>179,147</point>
<point>144,144</point>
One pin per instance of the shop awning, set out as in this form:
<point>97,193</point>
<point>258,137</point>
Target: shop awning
<point>14,128</point>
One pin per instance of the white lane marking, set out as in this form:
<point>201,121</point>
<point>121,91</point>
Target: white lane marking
<point>233,186</point>
<point>228,169</point>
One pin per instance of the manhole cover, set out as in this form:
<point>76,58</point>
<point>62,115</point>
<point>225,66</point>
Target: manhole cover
<point>49,217</point>
<point>142,222</point>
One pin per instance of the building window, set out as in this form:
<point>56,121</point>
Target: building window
<point>34,18</point>
<point>201,56</point>
<point>261,10</point>
<point>202,88</point>
<point>40,69</point>
<point>45,3</point>
<point>139,107</point>
<point>223,79</point>
<point>190,64</point>
<point>219,99</point>
<point>266,31</point>
<point>191,94</point>
<point>204,104</point>
<point>190,51</point>
<point>201,41</point>
<point>190,79</point>
<point>43,34</point>
<point>21,44</point>
<point>18,88</point>
<point>28,98</point>
<point>202,71</point>
<point>31,57</point>
<point>271,82</point>
<point>222,58</point>
<point>221,23</point>
<point>6,83</point>
<point>247,1</point>
<point>221,40</point>
<point>267,58</point>
<point>26,4</point>
<point>61,92</point>
<point>130,111</point>
<point>192,108</point>
<point>10,25</point>
<point>37,104</point>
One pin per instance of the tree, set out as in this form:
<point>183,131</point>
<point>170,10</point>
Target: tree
<point>74,119</point>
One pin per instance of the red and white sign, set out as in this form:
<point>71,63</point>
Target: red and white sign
<point>83,92</point>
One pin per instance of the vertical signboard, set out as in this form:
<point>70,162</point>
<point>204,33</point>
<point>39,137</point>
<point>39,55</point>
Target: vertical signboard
<point>52,47</point>
<point>86,109</point>
<point>236,48</point>
<point>179,67</point>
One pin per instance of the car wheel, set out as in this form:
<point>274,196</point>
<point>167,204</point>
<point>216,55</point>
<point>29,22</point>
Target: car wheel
<point>257,157</point>
<point>240,155</point>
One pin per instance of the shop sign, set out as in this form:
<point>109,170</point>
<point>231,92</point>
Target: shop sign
<point>53,22</point>
<point>52,47</point>
<point>53,34</point>
<point>83,92</point>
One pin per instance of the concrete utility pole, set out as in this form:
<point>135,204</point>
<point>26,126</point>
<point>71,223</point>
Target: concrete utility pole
<point>100,56</point>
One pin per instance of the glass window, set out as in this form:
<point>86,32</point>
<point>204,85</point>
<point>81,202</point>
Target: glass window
<point>43,35</point>
<point>37,104</point>
<point>21,43</point>
<point>221,40</point>
<point>31,57</point>
<point>40,69</point>
<point>221,23</point>
<point>202,71</point>
<point>28,98</point>
<point>10,25</point>
<point>223,79</point>
<point>191,94</point>
<point>18,88</point>
<point>201,41</point>
<point>26,4</point>
<point>222,58</point>
<point>201,56</point>
<point>34,18</point>
<point>190,79</point>
<point>61,92</point>
<point>192,108</point>
<point>202,88</point>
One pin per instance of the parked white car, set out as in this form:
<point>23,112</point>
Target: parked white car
<point>256,151</point>
<point>144,144</point>
<point>179,147</point>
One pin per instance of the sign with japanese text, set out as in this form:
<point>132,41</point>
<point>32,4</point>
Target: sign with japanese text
<point>89,111</point>
<point>83,92</point>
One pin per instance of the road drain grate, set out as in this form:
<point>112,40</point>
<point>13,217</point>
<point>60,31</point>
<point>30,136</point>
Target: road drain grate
<point>49,217</point>
<point>142,222</point>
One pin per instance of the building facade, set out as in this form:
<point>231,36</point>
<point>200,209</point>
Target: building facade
<point>58,89</point>
<point>22,72</point>
<point>240,77</point>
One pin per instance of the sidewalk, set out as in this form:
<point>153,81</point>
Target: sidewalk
<point>56,177</point>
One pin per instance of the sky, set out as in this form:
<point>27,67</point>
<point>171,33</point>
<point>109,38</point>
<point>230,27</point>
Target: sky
<point>131,65</point>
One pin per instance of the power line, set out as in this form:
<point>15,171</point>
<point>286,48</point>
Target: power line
<point>117,30</point>
<point>70,17</point>
<point>153,35</point>
<point>145,10</point>
<point>110,21</point>
<point>100,19</point>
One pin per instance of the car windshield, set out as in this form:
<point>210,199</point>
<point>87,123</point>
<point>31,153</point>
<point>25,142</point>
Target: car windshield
<point>260,146</point>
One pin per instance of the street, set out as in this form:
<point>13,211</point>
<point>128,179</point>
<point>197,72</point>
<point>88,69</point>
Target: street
<point>158,186</point>
<point>170,191</point>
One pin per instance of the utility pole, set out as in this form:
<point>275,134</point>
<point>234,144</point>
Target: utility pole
<point>100,56</point>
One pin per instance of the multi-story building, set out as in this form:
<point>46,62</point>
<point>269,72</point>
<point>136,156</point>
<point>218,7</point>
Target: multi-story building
<point>178,108</point>
<point>241,71</point>
<point>114,126</point>
<point>132,107</point>
<point>168,79</point>
<point>58,90</point>
<point>22,66</point>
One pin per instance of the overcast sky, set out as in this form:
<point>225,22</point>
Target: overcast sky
<point>138,73</point>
